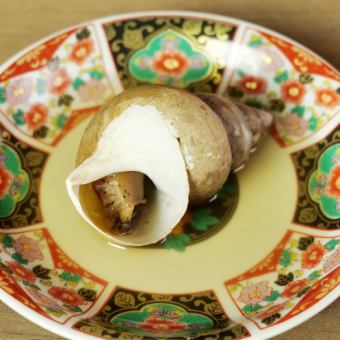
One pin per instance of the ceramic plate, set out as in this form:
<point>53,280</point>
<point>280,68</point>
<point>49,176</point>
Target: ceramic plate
<point>262,257</point>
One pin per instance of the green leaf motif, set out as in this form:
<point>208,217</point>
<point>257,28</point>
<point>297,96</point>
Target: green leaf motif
<point>281,77</point>
<point>251,308</point>
<point>303,291</point>
<point>177,242</point>
<point>305,242</point>
<point>66,100</point>
<point>28,284</point>
<point>61,120</point>
<point>305,78</point>
<point>235,92</point>
<point>87,294</point>
<point>41,133</point>
<point>83,34</point>
<point>299,110</point>
<point>330,245</point>
<point>18,257</point>
<point>312,124</point>
<point>18,117</point>
<point>225,192</point>
<point>7,241</point>
<point>2,95</point>
<point>240,73</point>
<point>94,74</point>
<point>5,268</point>
<point>78,82</point>
<point>66,276</point>
<point>254,103</point>
<point>41,86</point>
<point>255,42</point>
<point>41,272</point>
<point>276,105</point>
<point>74,309</point>
<point>270,319</point>
<point>283,280</point>
<point>314,275</point>
<point>56,312</point>
<point>202,219</point>
<point>286,258</point>
<point>274,296</point>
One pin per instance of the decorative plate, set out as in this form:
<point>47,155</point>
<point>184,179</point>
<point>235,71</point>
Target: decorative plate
<point>259,259</point>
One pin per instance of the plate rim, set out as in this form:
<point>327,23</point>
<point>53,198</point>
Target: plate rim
<point>67,330</point>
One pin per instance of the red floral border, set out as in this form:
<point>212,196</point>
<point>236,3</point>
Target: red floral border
<point>61,261</point>
<point>302,60</point>
<point>36,58</point>
<point>318,291</point>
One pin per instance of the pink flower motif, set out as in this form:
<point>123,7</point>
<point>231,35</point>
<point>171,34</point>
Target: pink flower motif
<point>43,299</point>
<point>196,62</point>
<point>28,248</point>
<point>169,43</point>
<point>332,261</point>
<point>144,62</point>
<point>293,124</point>
<point>92,91</point>
<point>256,293</point>
<point>19,91</point>
<point>268,58</point>
<point>59,81</point>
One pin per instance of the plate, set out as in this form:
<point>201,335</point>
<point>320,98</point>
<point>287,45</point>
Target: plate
<point>260,258</point>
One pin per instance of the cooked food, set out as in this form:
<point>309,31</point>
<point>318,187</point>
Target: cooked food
<point>151,151</point>
<point>120,194</point>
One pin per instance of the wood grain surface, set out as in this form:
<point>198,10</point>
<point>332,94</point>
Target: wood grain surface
<point>314,23</point>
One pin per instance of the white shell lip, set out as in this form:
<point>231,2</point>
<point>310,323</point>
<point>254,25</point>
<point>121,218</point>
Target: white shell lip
<point>140,140</point>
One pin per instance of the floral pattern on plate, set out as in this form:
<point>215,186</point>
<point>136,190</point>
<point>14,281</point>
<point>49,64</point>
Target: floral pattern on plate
<point>36,272</point>
<point>50,89</point>
<point>150,316</point>
<point>20,169</point>
<point>183,52</point>
<point>203,221</point>
<point>301,90</point>
<point>47,86</point>
<point>14,181</point>
<point>324,184</point>
<point>318,172</point>
<point>170,59</point>
<point>295,270</point>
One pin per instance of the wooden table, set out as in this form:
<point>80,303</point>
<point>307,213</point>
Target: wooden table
<point>314,23</point>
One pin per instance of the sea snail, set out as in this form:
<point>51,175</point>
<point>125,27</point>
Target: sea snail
<point>184,144</point>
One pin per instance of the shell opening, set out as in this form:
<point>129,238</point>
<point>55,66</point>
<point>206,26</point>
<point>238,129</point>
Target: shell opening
<point>138,141</point>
